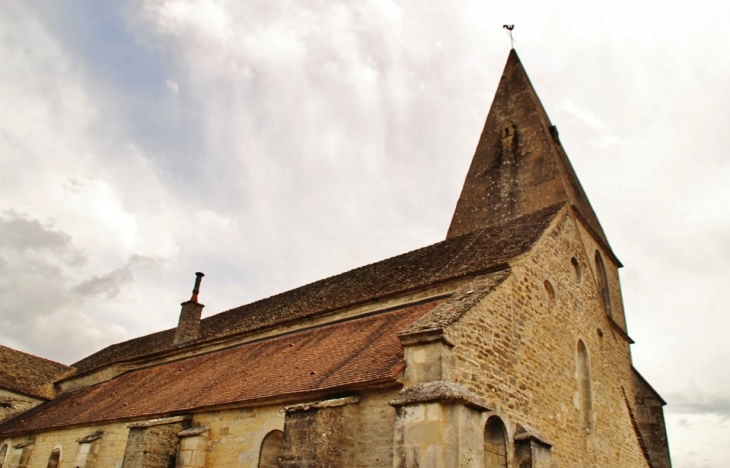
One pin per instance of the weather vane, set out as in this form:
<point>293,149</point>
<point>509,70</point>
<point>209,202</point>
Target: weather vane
<point>509,28</point>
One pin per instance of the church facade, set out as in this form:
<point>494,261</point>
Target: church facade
<point>505,345</point>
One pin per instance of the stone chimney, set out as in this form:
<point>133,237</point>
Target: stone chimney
<point>188,328</point>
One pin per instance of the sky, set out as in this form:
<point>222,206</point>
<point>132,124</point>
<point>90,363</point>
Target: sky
<point>273,143</point>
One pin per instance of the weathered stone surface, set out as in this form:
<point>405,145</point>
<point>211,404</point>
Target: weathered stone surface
<point>320,436</point>
<point>12,403</point>
<point>442,434</point>
<point>438,391</point>
<point>650,419</point>
<point>451,310</point>
<point>193,447</point>
<point>517,349</point>
<point>350,400</point>
<point>153,445</point>
<point>527,432</point>
<point>530,453</point>
<point>188,327</point>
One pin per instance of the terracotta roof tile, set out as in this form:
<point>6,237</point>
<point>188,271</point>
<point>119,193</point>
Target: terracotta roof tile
<point>478,251</point>
<point>28,374</point>
<point>333,357</point>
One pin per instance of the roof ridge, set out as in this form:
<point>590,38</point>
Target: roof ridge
<point>488,248</point>
<point>35,356</point>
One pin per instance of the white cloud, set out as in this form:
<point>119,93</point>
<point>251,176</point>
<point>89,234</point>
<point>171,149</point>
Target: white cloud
<point>582,114</point>
<point>172,86</point>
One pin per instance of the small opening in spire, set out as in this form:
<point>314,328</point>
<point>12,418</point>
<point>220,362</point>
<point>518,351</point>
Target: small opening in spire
<point>554,133</point>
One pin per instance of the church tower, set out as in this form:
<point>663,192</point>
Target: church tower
<point>519,165</point>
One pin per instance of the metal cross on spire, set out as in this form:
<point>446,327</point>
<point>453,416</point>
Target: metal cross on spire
<point>509,28</point>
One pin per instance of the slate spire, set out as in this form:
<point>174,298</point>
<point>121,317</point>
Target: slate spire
<point>519,165</point>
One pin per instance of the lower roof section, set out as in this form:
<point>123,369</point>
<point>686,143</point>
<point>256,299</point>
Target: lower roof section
<point>331,357</point>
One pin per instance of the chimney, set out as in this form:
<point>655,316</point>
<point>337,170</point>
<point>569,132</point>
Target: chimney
<point>188,328</point>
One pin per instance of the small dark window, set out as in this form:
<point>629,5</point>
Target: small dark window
<point>603,290</point>
<point>271,450</point>
<point>584,386</point>
<point>55,458</point>
<point>495,444</point>
<point>3,452</point>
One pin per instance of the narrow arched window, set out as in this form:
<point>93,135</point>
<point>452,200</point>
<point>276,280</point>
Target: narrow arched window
<point>55,458</point>
<point>3,452</point>
<point>584,386</point>
<point>271,450</point>
<point>603,284</point>
<point>495,444</point>
<point>577,275</point>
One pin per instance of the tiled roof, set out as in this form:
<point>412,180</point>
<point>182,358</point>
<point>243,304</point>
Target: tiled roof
<point>28,374</point>
<point>482,250</point>
<point>335,357</point>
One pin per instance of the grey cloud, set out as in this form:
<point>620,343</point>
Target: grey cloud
<point>43,306</point>
<point>110,284</point>
<point>33,263</point>
<point>696,400</point>
<point>20,233</point>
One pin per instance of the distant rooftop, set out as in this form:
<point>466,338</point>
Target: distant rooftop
<point>28,374</point>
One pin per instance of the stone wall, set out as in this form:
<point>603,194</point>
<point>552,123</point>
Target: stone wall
<point>12,404</point>
<point>322,434</point>
<point>235,436</point>
<point>109,450</point>
<point>518,351</point>
<point>650,420</point>
<point>590,246</point>
<point>376,421</point>
<point>232,440</point>
<point>153,444</point>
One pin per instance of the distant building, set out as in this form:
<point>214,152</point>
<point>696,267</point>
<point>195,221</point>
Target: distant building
<point>504,345</point>
<point>26,381</point>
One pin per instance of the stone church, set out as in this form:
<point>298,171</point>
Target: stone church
<point>504,345</point>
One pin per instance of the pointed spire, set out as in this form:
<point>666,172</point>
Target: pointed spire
<point>519,165</point>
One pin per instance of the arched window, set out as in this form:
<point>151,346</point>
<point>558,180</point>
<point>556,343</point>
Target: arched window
<point>549,292</point>
<point>495,444</point>
<point>603,284</point>
<point>271,450</point>
<point>3,452</point>
<point>584,386</point>
<point>577,275</point>
<point>55,458</point>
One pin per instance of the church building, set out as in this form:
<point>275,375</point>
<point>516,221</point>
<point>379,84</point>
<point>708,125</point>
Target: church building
<point>504,345</point>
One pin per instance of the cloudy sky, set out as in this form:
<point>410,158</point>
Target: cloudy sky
<point>273,143</point>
